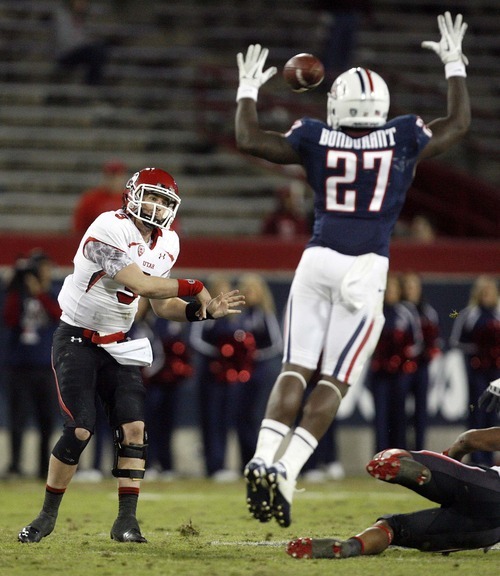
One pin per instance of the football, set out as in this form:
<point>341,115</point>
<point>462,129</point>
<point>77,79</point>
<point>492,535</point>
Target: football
<point>303,72</point>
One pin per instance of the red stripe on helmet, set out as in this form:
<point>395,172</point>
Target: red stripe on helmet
<point>370,80</point>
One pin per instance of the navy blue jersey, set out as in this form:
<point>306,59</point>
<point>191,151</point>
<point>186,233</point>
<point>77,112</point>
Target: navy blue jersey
<point>359,180</point>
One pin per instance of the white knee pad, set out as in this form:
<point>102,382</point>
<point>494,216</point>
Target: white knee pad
<point>295,375</point>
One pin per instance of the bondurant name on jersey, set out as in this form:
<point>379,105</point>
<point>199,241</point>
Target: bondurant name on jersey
<point>376,139</point>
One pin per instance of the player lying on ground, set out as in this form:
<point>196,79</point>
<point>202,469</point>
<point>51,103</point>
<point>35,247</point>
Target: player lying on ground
<point>469,516</point>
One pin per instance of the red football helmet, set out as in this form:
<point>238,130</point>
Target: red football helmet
<point>152,181</point>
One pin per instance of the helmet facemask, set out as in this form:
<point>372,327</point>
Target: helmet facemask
<point>358,98</point>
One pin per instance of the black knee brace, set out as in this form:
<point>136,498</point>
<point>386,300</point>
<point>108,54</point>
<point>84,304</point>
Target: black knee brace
<point>69,448</point>
<point>128,451</point>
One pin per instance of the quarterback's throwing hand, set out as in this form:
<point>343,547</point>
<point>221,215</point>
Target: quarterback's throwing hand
<point>226,303</point>
<point>449,48</point>
<point>251,71</point>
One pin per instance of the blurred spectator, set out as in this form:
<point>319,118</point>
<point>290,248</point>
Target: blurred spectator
<point>107,196</point>
<point>421,229</point>
<point>234,372</point>
<point>432,347</point>
<point>74,42</point>
<point>392,366</point>
<point>163,380</point>
<point>31,314</point>
<point>223,360</point>
<point>341,20</point>
<point>259,319</point>
<point>289,218</point>
<point>476,331</point>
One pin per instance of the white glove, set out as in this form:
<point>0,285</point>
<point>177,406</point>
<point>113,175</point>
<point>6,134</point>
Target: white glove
<point>251,71</point>
<point>491,396</point>
<point>449,48</point>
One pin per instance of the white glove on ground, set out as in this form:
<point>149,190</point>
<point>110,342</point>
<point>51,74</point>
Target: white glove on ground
<point>449,48</point>
<point>251,71</point>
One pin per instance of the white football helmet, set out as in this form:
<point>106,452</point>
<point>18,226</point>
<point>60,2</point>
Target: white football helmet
<point>358,98</point>
<point>153,181</point>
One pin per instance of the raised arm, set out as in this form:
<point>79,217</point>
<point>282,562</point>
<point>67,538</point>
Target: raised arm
<point>163,294</point>
<point>156,288</point>
<point>484,439</point>
<point>250,137</point>
<point>448,130</point>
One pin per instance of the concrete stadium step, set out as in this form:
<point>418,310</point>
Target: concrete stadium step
<point>43,184</point>
<point>94,137</point>
<point>90,162</point>
<point>76,116</point>
<point>221,215</point>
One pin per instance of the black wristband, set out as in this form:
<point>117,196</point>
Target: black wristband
<point>191,310</point>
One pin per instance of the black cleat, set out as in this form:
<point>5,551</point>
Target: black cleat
<point>41,526</point>
<point>258,493</point>
<point>126,529</point>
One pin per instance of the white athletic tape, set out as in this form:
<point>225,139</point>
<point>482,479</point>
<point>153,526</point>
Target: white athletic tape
<point>455,68</point>
<point>333,387</point>
<point>295,375</point>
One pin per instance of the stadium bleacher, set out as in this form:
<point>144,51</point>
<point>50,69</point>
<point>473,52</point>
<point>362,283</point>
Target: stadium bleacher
<point>168,100</point>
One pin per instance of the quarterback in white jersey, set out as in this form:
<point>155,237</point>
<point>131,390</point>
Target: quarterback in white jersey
<point>91,297</point>
<point>123,255</point>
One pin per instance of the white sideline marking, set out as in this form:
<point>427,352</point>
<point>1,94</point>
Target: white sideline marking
<point>280,543</point>
<point>248,543</point>
<point>307,495</point>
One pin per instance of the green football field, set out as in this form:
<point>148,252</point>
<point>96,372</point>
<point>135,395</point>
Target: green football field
<point>197,527</point>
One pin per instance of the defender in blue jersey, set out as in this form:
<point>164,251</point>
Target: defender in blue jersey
<point>360,166</point>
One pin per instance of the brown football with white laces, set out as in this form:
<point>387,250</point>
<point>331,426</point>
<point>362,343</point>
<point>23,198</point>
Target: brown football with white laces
<point>303,72</point>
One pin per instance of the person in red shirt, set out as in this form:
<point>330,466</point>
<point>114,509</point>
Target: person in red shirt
<point>289,219</point>
<point>106,196</point>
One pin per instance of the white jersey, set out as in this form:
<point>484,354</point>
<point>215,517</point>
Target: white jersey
<point>90,298</point>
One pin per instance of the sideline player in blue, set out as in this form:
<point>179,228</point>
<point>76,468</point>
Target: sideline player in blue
<point>360,166</point>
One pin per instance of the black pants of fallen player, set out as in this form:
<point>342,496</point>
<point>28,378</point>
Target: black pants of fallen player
<point>469,515</point>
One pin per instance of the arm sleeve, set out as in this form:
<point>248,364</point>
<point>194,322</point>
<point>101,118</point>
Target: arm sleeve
<point>109,258</point>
